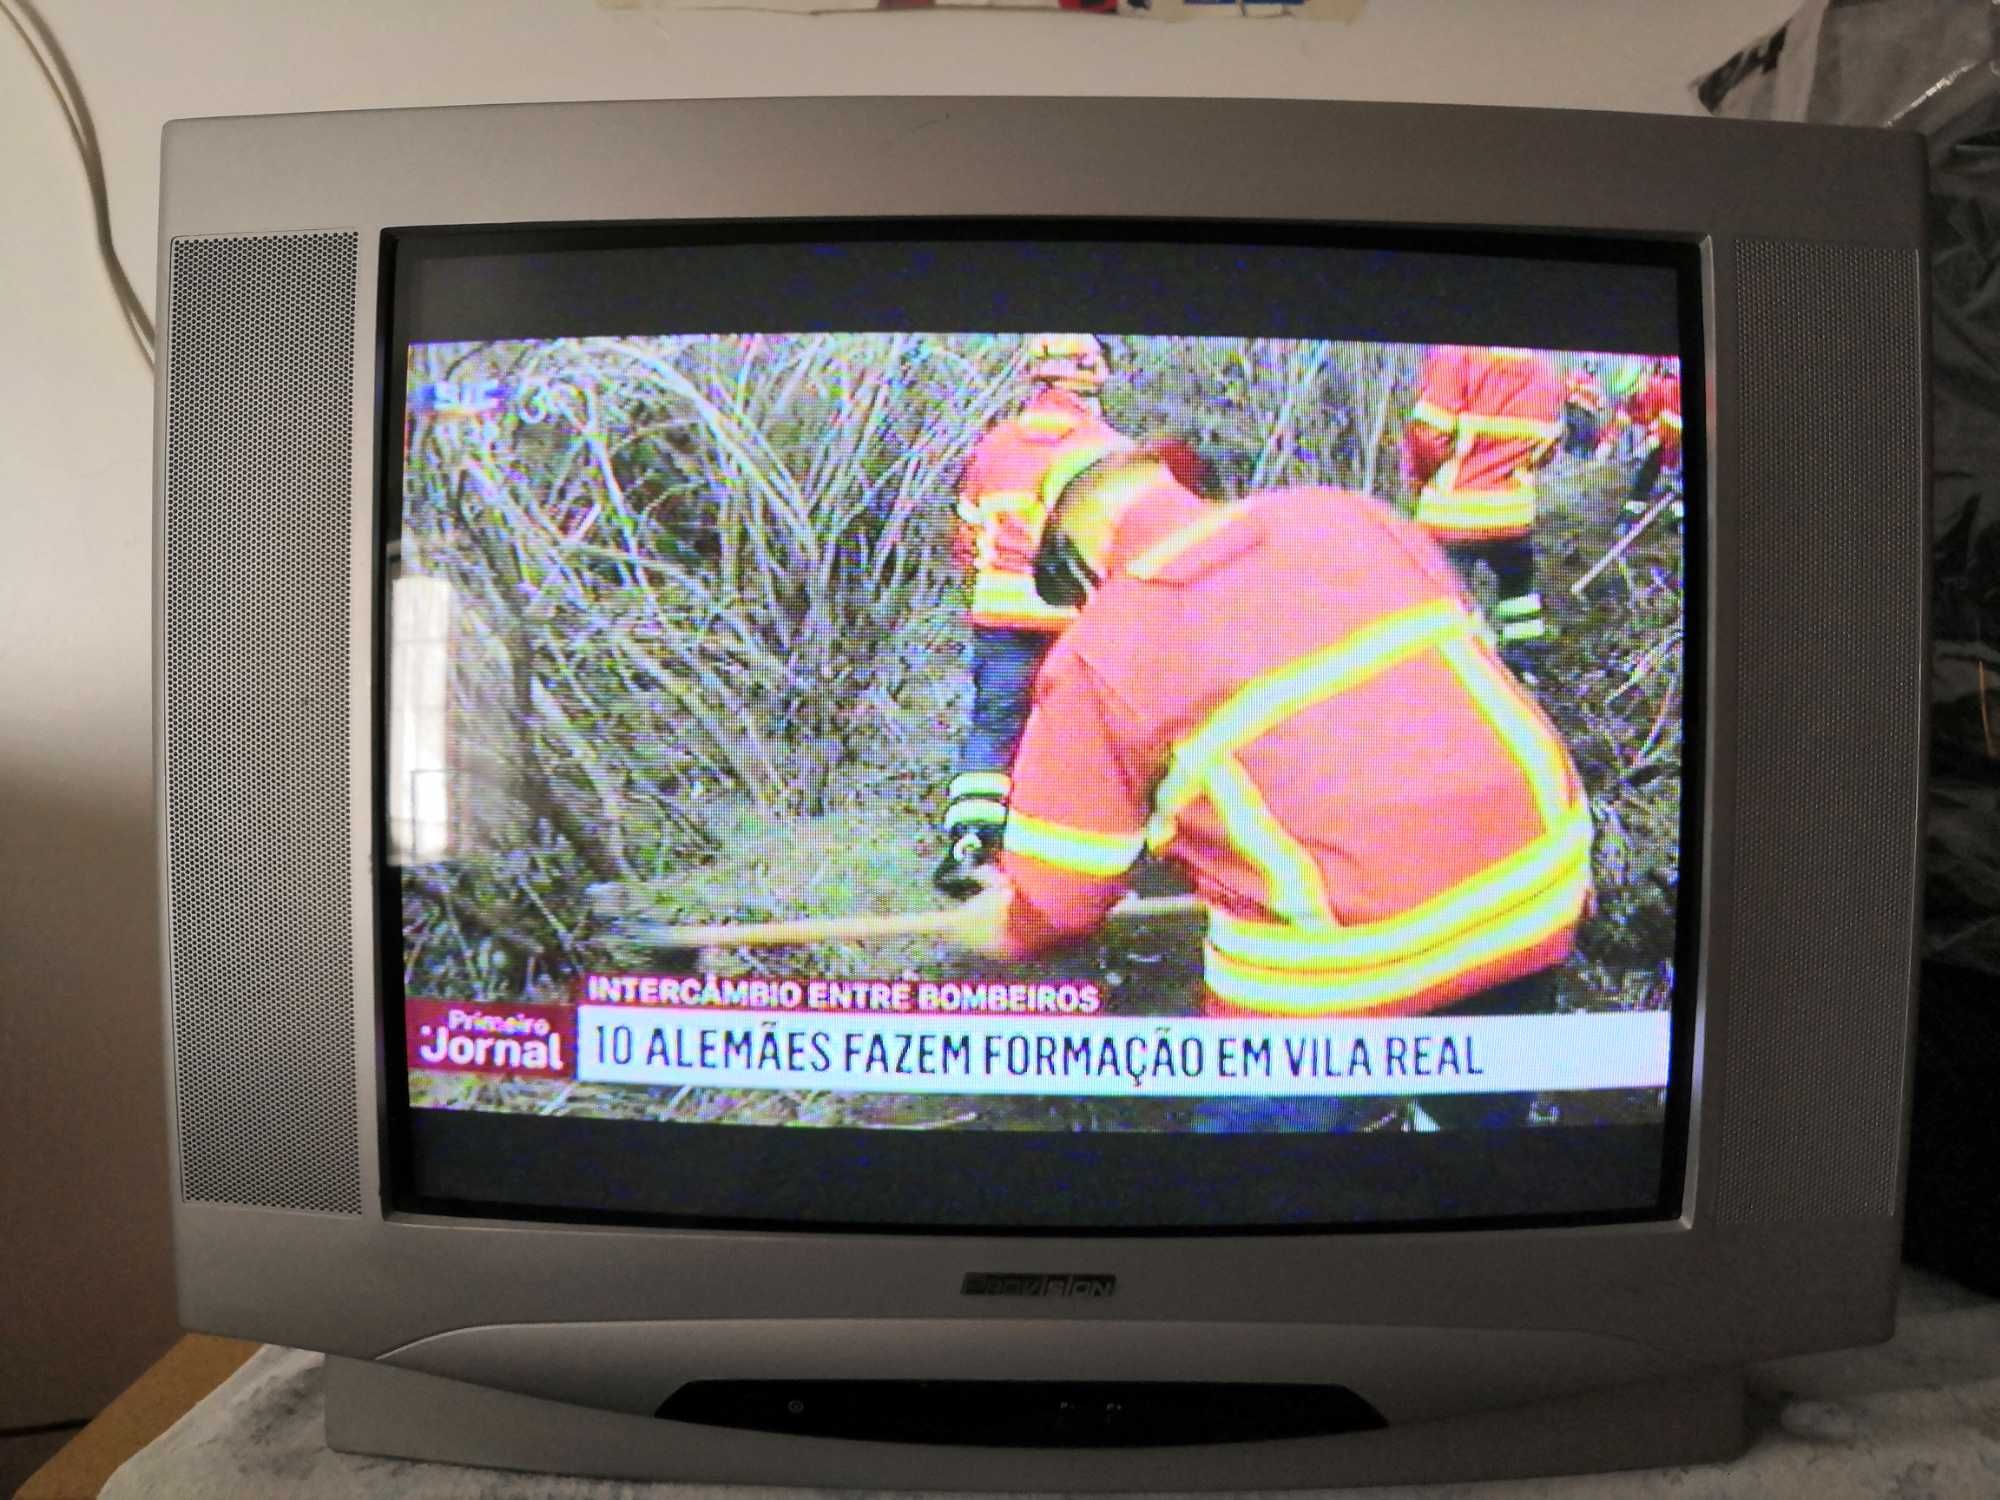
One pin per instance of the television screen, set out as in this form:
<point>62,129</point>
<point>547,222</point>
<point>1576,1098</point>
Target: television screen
<point>837,726</point>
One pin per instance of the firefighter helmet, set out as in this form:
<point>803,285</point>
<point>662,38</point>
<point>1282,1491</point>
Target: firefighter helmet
<point>1083,514</point>
<point>1074,361</point>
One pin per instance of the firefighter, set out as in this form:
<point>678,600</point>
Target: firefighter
<point>1290,699</point>
<point>1485,420</point>
<point>1000,525</point>
<point>1652,414</point>
<point>1585,407</point>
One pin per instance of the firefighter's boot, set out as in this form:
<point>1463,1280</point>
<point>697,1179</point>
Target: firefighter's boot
<point>1523,633</point>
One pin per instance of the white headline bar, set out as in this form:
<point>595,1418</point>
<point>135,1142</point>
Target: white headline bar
<point>1129,1056</point>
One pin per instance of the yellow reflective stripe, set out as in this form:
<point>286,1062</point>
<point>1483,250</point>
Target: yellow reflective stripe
<point>1519,493</point>
<point>1266,701</point>
<point>1477,509</point>
<point>1007,503</point>
<point>981,784</point>
<point>1047,421</point>
<point>1013,595</point>
<point>981,810</point>
<point>1521,488</point>
<point>1560,856</point>
<point>1517,607</point>
<point>1524,630</point>
<point>1671,419</point>
<point>1147,564</point>
<point>1083,850</point>
<point>1480,424</point>
<point>968,512</point>
<point>1296,892</point>
<point>1302,994</point>
<point>1432,415</point>
<point>1519,728</point>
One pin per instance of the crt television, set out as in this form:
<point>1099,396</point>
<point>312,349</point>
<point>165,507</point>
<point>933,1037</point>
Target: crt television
<point>586,580</point>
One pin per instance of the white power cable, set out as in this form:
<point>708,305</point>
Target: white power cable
<point>47,52</point>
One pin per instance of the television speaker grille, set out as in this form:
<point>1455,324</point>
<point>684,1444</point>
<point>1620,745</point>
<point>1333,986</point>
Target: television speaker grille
<point>1830,551</point>
<point>258,513</point>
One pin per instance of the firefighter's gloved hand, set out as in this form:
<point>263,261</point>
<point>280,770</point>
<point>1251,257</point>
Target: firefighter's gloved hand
<point>971,855</point>
<point>982,921</point>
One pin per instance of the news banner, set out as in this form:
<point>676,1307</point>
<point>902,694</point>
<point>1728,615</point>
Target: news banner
<point>924,1037</point>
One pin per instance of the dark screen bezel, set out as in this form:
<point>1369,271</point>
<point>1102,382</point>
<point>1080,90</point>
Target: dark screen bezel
<point>1666,1144</point>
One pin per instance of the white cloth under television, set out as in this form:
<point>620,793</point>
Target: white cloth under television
<point>1917,1418</point>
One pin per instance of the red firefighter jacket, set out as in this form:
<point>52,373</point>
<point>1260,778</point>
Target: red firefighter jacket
<point>1291,699</point>
<point>1484,421</point>
<point>1654,407</point>
<point>1001,509</point>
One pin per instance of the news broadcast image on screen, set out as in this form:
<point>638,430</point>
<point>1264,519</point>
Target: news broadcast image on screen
<point>1050,732</point>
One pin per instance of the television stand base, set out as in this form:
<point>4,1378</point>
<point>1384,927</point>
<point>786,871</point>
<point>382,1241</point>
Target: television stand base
<point>378,1409</point>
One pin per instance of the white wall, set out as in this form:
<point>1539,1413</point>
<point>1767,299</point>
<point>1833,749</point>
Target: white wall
<point>85,1296</point>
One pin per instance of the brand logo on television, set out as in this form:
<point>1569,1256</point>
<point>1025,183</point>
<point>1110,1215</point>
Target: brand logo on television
<point>501,1041</point>
<point>1036,1284</point>
<point>461,398</point>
